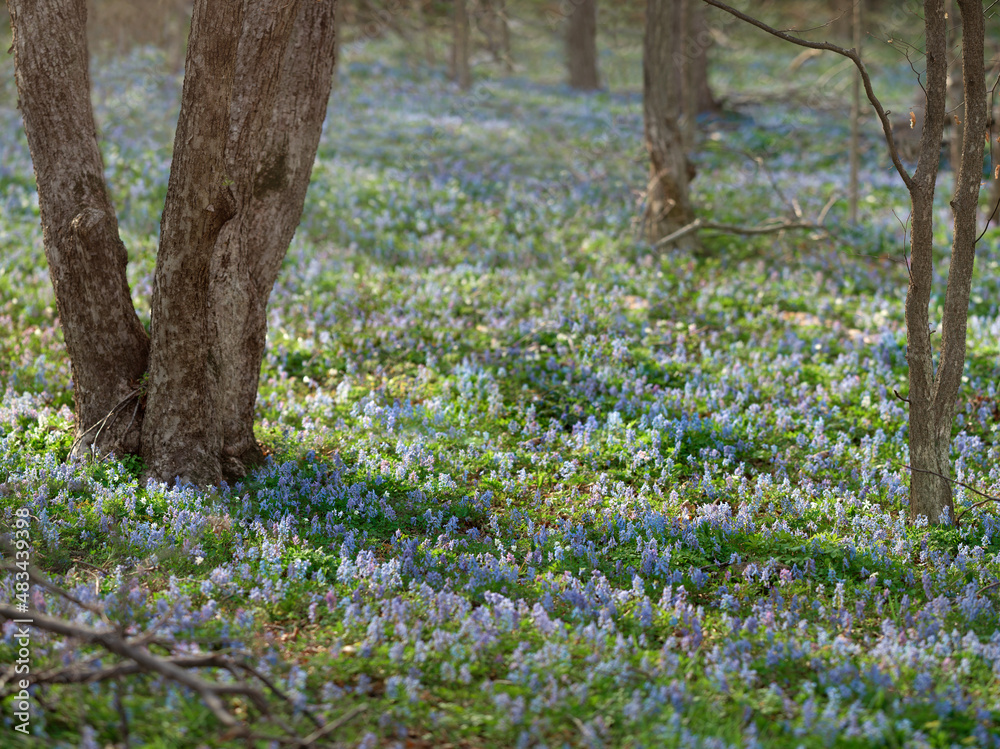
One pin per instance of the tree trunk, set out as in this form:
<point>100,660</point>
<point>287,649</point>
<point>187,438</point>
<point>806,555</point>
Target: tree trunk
<point>257,81</point>
<point>955,92</point>
<point>460,70</point>
<point>852,190</point>
<point>266,227</point>
<point>214,254</point>
<point>668,206</point>
<point>933,393</point>
<point>503,22</point>
<point>107,345</point>
<point>690,60</point>
<point>581,45</point>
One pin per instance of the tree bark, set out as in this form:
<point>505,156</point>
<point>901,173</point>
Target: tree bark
<point>257,81</point>
<point>179,436</point>
<point>690,60</point>
<point>460,70</point>
<point>107,345</point>
<point>234,156</point>
<point>955,92</point>
<point>266,226</point>
<point>933,393</point>
<point>581,45</point>
<point>668,206</point>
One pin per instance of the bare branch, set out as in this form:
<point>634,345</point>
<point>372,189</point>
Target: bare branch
<point>850,54</point>
<point>114,643</point>
<point>698,225</point>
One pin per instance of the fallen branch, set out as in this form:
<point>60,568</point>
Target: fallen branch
<point>699,225</point>
<point>137,659</point>
<point>209,692</point>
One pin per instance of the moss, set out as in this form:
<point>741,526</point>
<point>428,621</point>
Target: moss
<point>273,175</point>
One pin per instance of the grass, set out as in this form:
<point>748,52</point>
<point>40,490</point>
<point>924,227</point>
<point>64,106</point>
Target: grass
<point>529,483</point>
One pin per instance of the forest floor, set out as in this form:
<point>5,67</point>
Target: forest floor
<point>529,482</point>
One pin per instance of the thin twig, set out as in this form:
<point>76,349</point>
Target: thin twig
<point>34,574</point>
<point>114,643</point>
<point>99,425</point>
<point>329,728</point>
<point>679,234</point>
<point>850,54</point>
<point>988,587</point>
<point>834,197</point>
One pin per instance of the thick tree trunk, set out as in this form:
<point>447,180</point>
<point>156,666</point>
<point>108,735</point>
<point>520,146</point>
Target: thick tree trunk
<point>107,344</point>
<point>180,437</point>
<point>581,45</point>
<point>668,206</point>
<point>234,199</point>
<point>257,81</point>
<point>460,47</point>
<point>933,393</point>
<point>267,225</point>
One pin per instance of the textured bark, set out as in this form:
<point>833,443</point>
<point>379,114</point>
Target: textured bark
<point>461,72</point>
<point>581,45</point>
<point>258,242</point>
<point>955,93</point>
<point>107,344</point>
<point>933,393</point>
<point>668,206</point>
<point>257,82</point>
<point>243,153</point>
<point>179,436</point>
<point>690,58</point>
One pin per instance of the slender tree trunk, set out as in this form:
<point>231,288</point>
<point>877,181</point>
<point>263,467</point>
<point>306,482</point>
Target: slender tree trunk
<point>668,206</point>
<point>107,344</point>
<point>581,45</point>
<point>690,59</point>
<point>933,390</point>
<point>504,24</point>
<point>461,71</point>
<point>855,119</point>
<point>933,393</point>
<point>955,92</point>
